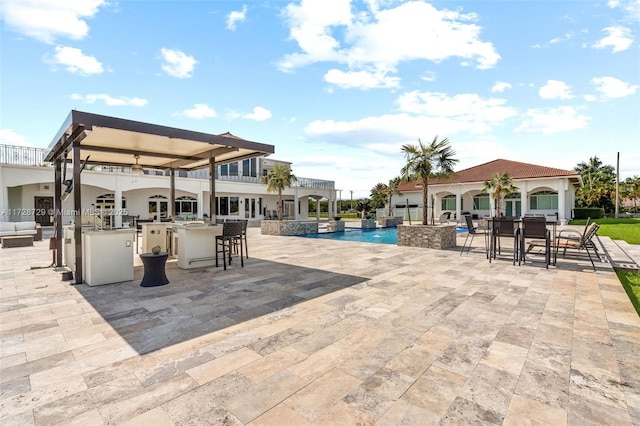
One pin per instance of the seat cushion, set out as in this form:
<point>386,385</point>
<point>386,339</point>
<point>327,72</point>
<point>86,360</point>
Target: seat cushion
<point>26,232</point>
<point>7,228</point>
<point>564,243</point>
<point>25,226</point>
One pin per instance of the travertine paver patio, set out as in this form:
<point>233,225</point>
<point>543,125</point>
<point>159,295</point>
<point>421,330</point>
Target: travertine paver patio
<point>321,332</point>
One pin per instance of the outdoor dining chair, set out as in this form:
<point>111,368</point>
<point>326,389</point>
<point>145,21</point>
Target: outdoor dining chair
<point>231,235</point>
<point>536,229</point>
<point>502,227</point>
<point>473,231</point>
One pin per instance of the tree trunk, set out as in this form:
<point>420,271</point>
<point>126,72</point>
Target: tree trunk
<point>279,204</point>
<point>425,203</point>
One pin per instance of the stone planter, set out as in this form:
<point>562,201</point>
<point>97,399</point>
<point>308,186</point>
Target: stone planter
<point>288,227</point>
<point>387,221</point>
<point>335,226</point>
<point>437,237</point>
<point>368,224</point>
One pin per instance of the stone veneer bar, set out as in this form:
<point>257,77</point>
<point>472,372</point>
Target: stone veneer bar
<point>288,227</point>
<point>429,236</point>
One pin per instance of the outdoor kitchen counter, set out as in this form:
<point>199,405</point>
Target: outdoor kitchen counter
<point>195,245</point>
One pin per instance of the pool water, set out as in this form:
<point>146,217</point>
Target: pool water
<point>378,235</point>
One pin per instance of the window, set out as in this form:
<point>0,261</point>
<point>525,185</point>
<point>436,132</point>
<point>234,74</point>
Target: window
<point>224,206</point>
<point>249,167</point>
<point>234,206</point>
<point>186,205</point>
<point>107,202</point>
<point>481,202</point>
<point>228,206</point>
<point>449,202</point>
<point>544,200</point>
<point>158,203</point>
<point>233,169</point>
<point>224,170</point>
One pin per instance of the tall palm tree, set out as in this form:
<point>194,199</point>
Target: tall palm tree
<point>392,189</point>
<point>425,162</point>
<point>501,184</point>
<point>277,180</point>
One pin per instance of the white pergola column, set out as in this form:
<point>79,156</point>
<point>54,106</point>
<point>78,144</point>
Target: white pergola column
<point>524,206</point>
<point>117,204</point>
<point>296,205</point>
<point>458,204</point>
<point>335,204</point>
<point>562,190</point>
<point>200,198</point>
<point>4,207</point>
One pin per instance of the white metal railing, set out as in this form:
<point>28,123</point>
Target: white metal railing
<point>31,156</point>
<point>23,155</point>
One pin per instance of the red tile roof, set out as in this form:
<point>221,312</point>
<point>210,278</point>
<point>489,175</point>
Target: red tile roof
<point>484,172</point>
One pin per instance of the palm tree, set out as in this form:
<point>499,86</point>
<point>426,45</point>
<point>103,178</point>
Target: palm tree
<point>425,162</point>
<point>379,195</point>
<point>501,184</point>
<point>392,189</point>
<point>278,179</point>
<point>363,207</point>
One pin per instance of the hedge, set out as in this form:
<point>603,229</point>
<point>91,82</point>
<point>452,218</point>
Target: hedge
<point>588,212</point>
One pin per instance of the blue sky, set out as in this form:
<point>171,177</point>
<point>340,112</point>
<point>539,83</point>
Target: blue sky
<point>337,86</point>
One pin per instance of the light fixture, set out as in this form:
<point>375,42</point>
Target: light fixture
<point>136,169</point>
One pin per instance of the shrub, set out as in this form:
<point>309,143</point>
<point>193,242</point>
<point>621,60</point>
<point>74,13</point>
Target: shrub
<point>586,212</point>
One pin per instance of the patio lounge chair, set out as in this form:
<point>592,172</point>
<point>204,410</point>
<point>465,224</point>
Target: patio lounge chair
<point>584,243</point>
<point>473,230</point>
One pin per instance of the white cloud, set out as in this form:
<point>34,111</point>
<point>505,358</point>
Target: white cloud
<point>9,137</point>
<point>380,39</point>
<point>109,100</point>
<point>259,114</point>
<point>465,107</point>
<point>631,7</point>
<point>361,79</point>
<point>200,111</point>
<point>553,120</point>
<point>46,20</point>
<point>500,86</point>
<point>236,16</point>
<point>619,38</point>
<point>177,64</point>
<point>590,98</point>
<point>567,36</point>
<point>422,115</point>
<point>75,61</point>
<point>611,87</point>
<point>429,76</point>
<point>555,89</point>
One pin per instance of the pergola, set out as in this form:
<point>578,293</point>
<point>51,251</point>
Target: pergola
<point>109,141</point>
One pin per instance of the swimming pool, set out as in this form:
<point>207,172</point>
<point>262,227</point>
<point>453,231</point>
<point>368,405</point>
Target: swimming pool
<point>378,235</point>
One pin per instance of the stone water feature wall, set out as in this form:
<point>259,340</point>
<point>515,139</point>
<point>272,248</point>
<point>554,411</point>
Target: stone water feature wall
<point>368,224</point>
<point>387,221</point>
<point>335,226</point>
<point>437,237</point>
<point>288,227</point>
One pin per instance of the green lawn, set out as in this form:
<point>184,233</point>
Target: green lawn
<point>627,229</point>
<point>631,282</point>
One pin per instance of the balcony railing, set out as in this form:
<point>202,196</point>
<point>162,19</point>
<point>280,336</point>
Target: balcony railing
<point>30,156</point>
<point>23,155</point>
